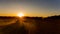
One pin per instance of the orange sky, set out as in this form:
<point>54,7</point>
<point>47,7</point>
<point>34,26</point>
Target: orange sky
<point>35,8</point>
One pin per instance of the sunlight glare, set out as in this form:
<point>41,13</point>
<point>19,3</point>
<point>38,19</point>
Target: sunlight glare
<point>20,14</point>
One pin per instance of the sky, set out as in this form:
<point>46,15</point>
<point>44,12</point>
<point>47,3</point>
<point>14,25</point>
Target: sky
<point>40,8</point>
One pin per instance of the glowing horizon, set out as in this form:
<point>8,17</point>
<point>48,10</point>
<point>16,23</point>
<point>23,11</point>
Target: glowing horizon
<point>39,8</point>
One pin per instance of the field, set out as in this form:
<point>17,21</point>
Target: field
<point>30,25</point>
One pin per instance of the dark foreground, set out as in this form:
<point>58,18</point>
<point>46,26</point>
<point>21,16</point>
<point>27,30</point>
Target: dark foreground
<point>30,25</point>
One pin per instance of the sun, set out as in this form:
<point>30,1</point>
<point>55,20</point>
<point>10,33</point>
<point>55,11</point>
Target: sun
<point>20,15</point>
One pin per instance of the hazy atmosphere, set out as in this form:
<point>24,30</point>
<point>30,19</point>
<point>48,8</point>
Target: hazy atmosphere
<point>30,7</point>
<point>29,16</point>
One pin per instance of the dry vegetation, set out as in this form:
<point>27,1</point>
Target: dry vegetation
<point>30,25</point>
